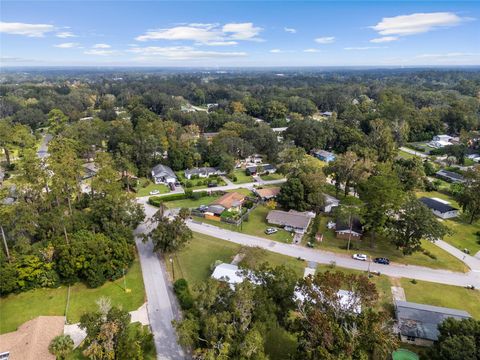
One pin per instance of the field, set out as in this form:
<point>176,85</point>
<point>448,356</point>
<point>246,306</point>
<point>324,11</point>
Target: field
<point>145,191</point>
<point>18,308</point>
<point>255,225</point>
<point>383,248</point>
<point>242,178</point>
<point>191,203</point>
<point>274,176</point>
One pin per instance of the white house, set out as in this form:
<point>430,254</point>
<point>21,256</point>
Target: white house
<point>330,203</point>
<point>229,273</point>
<point>440,141</point>
<point>440,208</point>
<point>347,301</point>
<point>163,175</point>
<point>203,172</point>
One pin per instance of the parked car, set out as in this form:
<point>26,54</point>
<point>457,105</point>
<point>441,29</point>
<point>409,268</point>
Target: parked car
<point>154,192</point>
<point>361,257</point>
<point>203,207</point>
<point>211,185</point>
<point>310,245</point>
<point>383,261</point>
<point>271,231</point>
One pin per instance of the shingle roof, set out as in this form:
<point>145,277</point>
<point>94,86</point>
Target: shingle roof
<point>230,199</point>
<point>201,170</point>
<point>163,170</point>
<point>437,205</point>
<point>450,174</point>
<point>421,321</point>
<point>268,192</point>
<point>293,219</point>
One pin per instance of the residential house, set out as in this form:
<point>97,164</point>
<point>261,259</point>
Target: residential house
<point>291,220</point>
<point>440,208</point>
<point>231,201</point>
<point>31,340</point>
<point>450,176</point>
<point>213,212</point>
<point>162,174</point>
<point>342,229</point>
<point>203,172</point>
<point>89,170</point>
<point>326,113</point>
<point>347,301</point>
<point>330,203</point>
<point>440,141</point>
<point>418,323</point>
<point>260,169</point>
<point>267,193</point>
<point>229,273</point>
<point>323,155</point>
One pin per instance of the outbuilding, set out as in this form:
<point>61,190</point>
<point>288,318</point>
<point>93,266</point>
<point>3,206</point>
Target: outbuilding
<point>440,208</point>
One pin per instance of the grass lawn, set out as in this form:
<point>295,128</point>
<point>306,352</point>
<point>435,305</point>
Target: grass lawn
<point>242,178</point>
<point>243,191</point>
<point>18,308</point>
<point>256,226</point>
<point>145,191</point>
<point>385,249</point>
<point>405,155</point>
<point>274,176</point>
<point>443,295</point>
<point>191,203</point>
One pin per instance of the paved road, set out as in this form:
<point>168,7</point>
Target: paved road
<point>43,149</point>
<point>413,152</point>
<point>325,257</point>
<point>161,304</point>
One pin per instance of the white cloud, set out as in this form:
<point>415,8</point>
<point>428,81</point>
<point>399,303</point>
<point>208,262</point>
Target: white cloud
<point>311,50</point>
<point>205,34</point>
<point>101,46</point>
<point>403,25</point>
<point>290,30</point>
<point>276,51</point>
<point>364,47</point>
<point>325,40</point>
<point>30,30</point>
<point>384,39</point>
<point>65,34</point>
<point>100,52</point>
<point>180,53</point>
<point>68,45</point>
<point>446,55</point>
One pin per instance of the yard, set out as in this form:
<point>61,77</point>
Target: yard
<point>191,203</point>
<point>383,248</point>
<point>18,308</point>
<point>199,183</point>
<point>269,177</point>
<point>145,190</point>
<point>443,295</point>
<point>256,226</point>
<point>242,178</point>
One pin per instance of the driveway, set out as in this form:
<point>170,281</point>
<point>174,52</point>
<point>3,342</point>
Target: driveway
<point>43,149</point>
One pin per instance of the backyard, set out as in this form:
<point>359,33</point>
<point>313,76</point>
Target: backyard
<point>383,248</point>
<point>18,308</point>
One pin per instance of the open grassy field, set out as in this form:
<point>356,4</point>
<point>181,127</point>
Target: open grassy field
<point>242,178</point>
<point>443,295</point>
<point>255,225</point>
<point>17,308</point>
<point>274,176</point>
<point>243,191</point>
<point>145,191</point>
<point>383,248</point>
<point>191,203</point>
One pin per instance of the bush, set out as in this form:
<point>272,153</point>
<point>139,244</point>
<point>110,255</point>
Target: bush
<point>429,254</point>
<point>248,204</point>
<point>146,183</point>
<point>413,281</point>
<point>184,296</point>
<point>188,184</point>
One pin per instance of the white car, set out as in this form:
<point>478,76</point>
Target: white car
<point>271,231</point>
<point>154,192</point>
<point>361,257</point>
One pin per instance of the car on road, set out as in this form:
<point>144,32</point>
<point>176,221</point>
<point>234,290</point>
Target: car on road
<point>154,192</point>
<point>361,257</point>
<point>382,260</point>
<point>212,185</point>
<point>271,231</point>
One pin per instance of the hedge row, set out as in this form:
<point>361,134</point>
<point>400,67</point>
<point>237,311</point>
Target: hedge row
<point>157,200</point>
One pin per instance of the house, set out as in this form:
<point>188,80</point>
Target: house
<point>323,155</point>
<point>440,141</point>
<point>268,193</point>
<point>229,273</point>
<point>450,176</point>
<point>213,212</point>
<point>418,323</point>
<point>231,201</point>
<point>163,175</point>
<point>342,229</point>
<point>326,113</point>
<point>347,301</point>
<point>440,208</point>
<point>31,340</point>
<point>290,220</point>
<point>260,169</point>
<point>330,203</point>
<point>203,172</point>
<point>89,170</point>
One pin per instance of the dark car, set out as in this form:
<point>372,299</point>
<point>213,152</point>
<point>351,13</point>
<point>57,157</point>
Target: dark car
<point>210,185</point>
<point>172,186</point>
<point>383,261</point>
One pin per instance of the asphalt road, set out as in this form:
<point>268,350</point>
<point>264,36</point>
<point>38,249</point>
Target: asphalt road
<point>43,149</point>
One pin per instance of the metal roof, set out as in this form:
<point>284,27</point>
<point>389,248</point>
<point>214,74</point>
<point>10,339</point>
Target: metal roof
<point>437,205</point>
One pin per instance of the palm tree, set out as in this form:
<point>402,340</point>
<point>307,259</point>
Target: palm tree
<point>61,346</point>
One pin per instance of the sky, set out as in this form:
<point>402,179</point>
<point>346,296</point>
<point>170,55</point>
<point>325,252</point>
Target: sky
<point>239,33</point>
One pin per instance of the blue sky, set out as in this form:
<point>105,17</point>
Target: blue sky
<point>228,33</point>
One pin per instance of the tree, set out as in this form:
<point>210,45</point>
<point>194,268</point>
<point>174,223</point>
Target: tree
<point>381,139</point>
<point>413,223</point>
<point>169,235</point>
<point>349,210</point>
<point>61,346</point>
<point>458,340</point>
<point>14,135</point>
<point>292,195</point>
<point>468,195</point>
<point>57,121</point>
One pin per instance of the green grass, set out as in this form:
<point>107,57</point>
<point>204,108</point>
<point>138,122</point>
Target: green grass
<point>243,191</point>
<point>256,226</point>
<point>405,155</point>
<point>383,248</point>
<point>242,178</point>
<point>274,176</point>
<point>191,203</point>
<point>18,308</point>
<point>145,191</point>
<point>443,295</point>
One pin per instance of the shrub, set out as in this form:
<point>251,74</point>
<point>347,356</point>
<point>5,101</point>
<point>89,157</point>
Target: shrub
<point>188,184</point>
<point>248,204</point>
<point>413,281</point>
<point>146,183</point>
<point>184,296</point>
<point>429,254</point>
<point>188,193</point>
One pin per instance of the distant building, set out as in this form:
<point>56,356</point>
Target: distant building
<point>440,141</point>
<point>203,172</point>
<point>260,169</point>
<point>418,323</point>
<point>330,203</point>
<point>440,208</point>
<point>267,193</point>
<point>290,220</point>
<point>342,229</point>
<point>326,113</point>
<point>323,155</point>
<point>89,170</point>
<point>450,176</point>
<point>162,174</point>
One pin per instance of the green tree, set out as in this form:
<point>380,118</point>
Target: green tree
<point>468,196</point>
<point>169,235</point>
<point>292,195</point>
<point>349,210</point>
<point>57,121</point>
<point>61,346</point>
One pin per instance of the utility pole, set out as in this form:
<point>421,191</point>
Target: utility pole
<point>5,243</point>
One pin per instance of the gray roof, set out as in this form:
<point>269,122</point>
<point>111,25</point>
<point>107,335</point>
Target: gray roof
<point>437,205</point>
<point>201,170</point>
<point>450,174</point>
<point>216,209</point>
<point>162,171</point>
<point>323,153</point>
<point>293,219</point>
<point>421,321</point>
